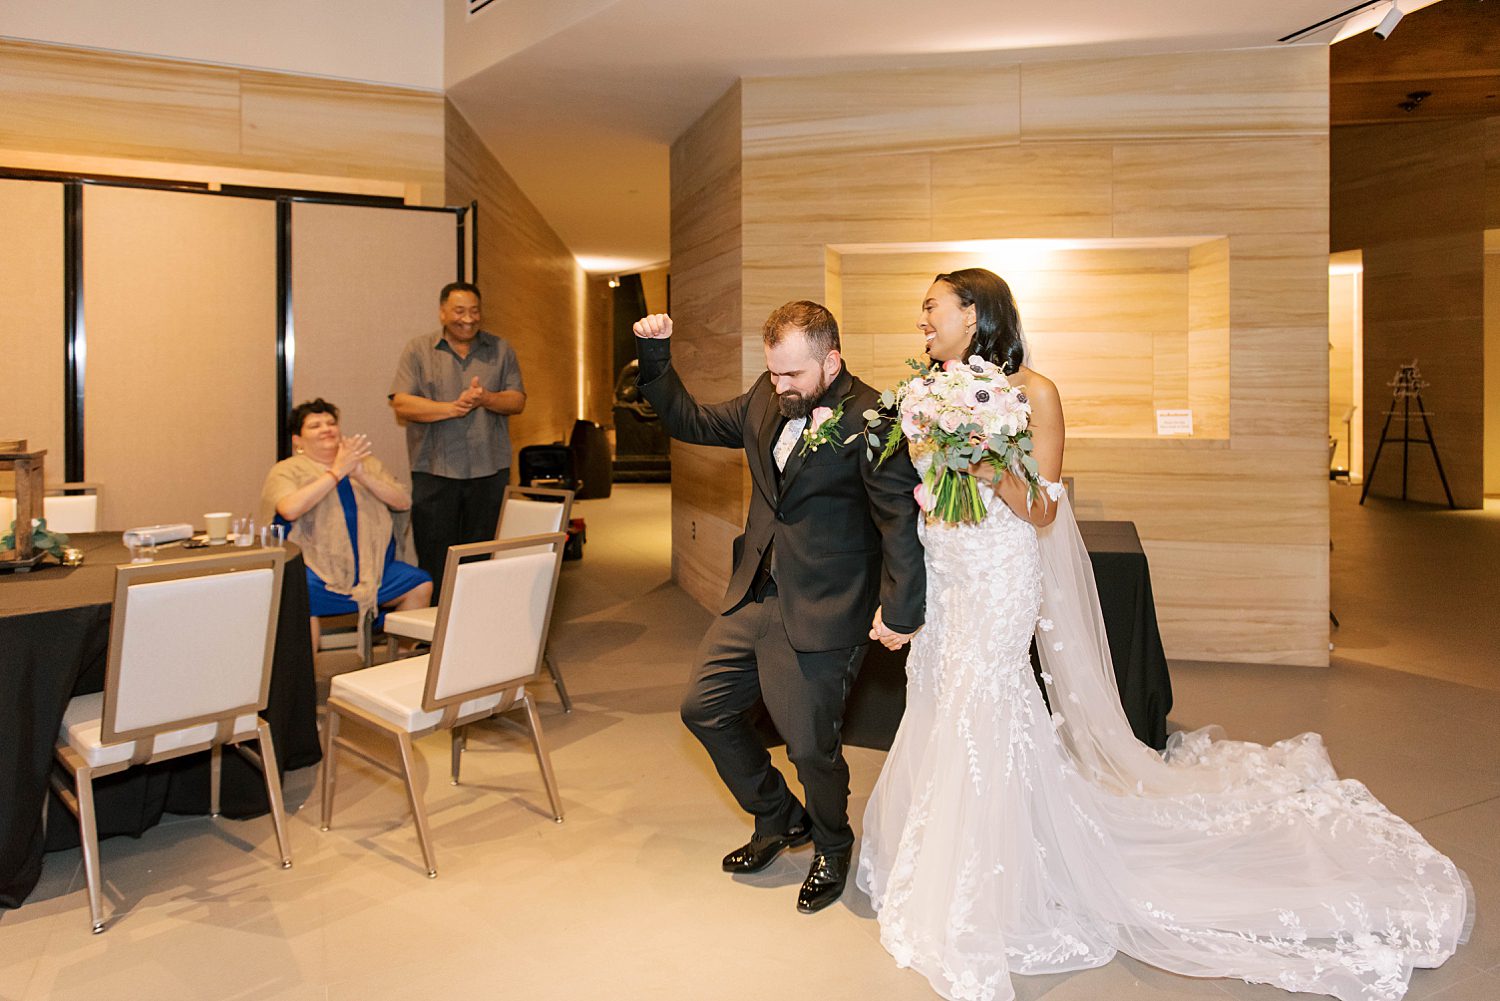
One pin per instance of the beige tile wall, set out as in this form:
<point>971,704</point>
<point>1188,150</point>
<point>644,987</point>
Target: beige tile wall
<point>536,296</point>
<point>72,103</point>
<point>1224,153</point>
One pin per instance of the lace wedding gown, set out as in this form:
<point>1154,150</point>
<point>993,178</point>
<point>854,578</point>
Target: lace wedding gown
<point>1003,839</point>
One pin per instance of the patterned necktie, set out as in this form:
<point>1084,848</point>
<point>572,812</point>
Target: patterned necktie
<point>788,441</point>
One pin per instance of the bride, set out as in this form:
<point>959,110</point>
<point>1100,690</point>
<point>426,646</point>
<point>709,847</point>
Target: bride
<point>1001,838</point>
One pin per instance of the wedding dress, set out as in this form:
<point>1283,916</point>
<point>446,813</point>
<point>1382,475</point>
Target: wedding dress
<point>1001,838</point>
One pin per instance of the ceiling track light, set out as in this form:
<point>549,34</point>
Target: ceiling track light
<point>1388,23</point>
<point>1334,19</point>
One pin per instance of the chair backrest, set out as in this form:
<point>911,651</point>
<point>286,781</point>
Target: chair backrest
<point>533,511</point>
<point>190,642</point>
<point>76,513</point>
<point>493,618</point>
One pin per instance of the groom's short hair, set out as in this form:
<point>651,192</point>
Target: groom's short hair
<point>814,321</point>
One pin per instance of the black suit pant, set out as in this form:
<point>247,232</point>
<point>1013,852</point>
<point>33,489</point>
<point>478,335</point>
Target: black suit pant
<point>745,657</point>
<point>451,512</point>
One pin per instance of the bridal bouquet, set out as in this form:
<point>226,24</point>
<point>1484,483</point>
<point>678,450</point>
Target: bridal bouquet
<point>957,415</point>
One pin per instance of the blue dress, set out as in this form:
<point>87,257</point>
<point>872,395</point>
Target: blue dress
<point>395,580</point>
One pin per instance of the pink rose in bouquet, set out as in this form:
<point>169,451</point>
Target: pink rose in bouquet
<point>957,416</point>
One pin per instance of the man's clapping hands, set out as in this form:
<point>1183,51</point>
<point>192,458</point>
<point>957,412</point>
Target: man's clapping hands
<point>469,399</point>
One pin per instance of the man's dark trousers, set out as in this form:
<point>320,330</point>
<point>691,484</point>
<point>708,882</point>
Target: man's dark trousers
<point>744,657</point>
<point>450,512</point>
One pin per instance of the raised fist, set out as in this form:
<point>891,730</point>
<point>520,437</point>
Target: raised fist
<point>657,326</point>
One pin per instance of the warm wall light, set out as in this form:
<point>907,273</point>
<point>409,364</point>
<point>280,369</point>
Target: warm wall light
<point>614,281</point>
<point>581,333</point>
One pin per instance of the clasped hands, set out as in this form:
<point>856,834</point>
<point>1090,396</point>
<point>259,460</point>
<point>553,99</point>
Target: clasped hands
<point>351,456</point>
<point>470,398</point>
<point>886,636</point>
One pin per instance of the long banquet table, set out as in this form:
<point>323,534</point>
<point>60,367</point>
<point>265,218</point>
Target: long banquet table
<point>54,637</point>
<point>878,697</point>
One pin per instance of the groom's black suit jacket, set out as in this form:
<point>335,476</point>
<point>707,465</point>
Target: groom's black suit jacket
<point>844,530</point>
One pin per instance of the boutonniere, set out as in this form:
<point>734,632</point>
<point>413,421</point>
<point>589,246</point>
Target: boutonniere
<point>822,428</point>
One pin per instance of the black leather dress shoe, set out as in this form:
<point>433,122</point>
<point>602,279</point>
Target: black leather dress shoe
<point>761,850</point>
<point>825,881</point>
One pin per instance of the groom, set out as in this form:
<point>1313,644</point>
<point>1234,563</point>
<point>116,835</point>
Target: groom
<point>829,559</point>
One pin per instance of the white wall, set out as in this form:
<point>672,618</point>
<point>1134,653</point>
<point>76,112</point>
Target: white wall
<point>396,42</point>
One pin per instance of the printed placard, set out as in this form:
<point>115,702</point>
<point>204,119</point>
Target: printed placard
<point>1174,422</point>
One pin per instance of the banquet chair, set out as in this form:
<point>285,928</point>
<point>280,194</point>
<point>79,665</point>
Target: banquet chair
<point>523,511</point>
<point>188,670</point>
<point>491,630</point>
<point>66,514</point>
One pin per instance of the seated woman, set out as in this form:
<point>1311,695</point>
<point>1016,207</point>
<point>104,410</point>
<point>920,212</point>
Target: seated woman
<point>336,500</point>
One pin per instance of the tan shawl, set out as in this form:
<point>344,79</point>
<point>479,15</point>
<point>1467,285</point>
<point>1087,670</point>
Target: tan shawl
<point>323,534</point>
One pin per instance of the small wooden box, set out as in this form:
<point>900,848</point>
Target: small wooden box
<point>28,468</point>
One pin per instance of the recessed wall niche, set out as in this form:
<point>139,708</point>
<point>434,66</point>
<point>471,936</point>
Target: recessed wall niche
<point>1130,326</point>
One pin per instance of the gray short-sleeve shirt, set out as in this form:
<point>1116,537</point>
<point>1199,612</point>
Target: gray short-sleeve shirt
<point>468,447</point>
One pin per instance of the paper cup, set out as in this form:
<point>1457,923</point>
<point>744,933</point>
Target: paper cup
<point>217,525</point>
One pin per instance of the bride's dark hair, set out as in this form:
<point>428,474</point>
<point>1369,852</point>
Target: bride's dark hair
<point>997,332</point>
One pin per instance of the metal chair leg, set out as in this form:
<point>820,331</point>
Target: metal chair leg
<point>542,759</point>
<point>557,681</point>
<point>273,789</point>
<point>367,638</point>
<point>88,837</point>
<point>459,740</point>
<point>215,777</point>
<point>330,763</point>
<point>418,808</point>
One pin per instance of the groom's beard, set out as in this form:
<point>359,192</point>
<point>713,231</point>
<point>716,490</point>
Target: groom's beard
<point>793,404</point>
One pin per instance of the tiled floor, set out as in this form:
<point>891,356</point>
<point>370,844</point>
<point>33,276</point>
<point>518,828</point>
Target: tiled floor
<point>624,900</point>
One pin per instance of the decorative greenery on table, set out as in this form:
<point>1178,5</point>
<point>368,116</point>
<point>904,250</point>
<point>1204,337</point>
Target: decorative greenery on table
<point>44,541</point>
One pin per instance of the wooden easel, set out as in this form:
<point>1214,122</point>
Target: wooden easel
<point>27,467</point>
<point>1406,387</point>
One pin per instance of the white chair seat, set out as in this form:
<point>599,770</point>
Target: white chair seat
<point>393,692</point>
<point>415,623</point>
<point>81,727</point>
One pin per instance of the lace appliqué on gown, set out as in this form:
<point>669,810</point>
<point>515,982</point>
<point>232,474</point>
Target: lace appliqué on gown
<point>1003,839</point>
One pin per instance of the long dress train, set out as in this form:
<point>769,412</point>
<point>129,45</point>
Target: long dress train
<point>1003,839</point>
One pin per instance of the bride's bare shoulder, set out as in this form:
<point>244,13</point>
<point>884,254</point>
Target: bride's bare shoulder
<point>1038,386</point>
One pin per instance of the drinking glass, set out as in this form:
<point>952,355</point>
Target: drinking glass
<point>244,531</point>
<point>143,548</point>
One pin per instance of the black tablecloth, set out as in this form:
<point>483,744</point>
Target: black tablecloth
<point>54,637</point>
<point>879,695</point>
